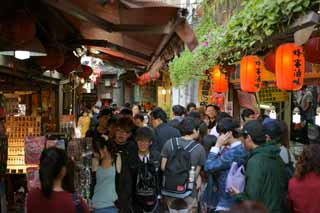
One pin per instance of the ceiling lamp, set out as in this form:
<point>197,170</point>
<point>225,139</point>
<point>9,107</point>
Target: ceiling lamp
<point>24,51</point>
<point>251,73</point>
<point>290,64</point>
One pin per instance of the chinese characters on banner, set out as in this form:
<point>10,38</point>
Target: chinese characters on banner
<point>258,74</point>
<point>297,66</point>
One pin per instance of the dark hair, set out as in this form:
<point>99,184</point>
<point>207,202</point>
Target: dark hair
<point>111,147</point>
<point>144,133</point>
<point>214,106</point>
<point>247,113</point>
<point>222,115</point>
<point>228,124</point>
<point>203,131</point>
<point>125,112</point>
<point>191,105</point>
<point>139,117</point>
<point>262,117</point>
<point>136,104</point>
<point>195,115</point>
<point>249,207</point>
<point>68,180</point>
<point>127,105</point>
<point>178,110</point>
<point>208,142</point>
<point>52,161</point>
<point>187,126</point>
<point>124,123</point>
<point>158,113</point>
<point>309,161</point>
<point>284,138</point>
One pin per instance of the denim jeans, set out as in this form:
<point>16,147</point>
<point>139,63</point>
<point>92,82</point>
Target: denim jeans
<point>106,210</point>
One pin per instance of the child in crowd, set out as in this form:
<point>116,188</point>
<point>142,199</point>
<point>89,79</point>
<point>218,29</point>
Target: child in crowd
<point>146,176</point>
<point>105,191</point>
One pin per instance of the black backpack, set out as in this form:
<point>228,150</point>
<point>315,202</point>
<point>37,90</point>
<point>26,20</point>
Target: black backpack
<point>289,166</point>
<point>176,174</point>
<point>146,189</point>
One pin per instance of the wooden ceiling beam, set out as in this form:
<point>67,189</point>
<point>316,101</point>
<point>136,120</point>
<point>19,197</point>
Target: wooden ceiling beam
<point>72,9</point>
<point>117,62</point>
<point>115,47</point>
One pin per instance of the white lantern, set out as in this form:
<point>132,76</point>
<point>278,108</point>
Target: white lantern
<point>273,114</point>
<point>296,117</point>
<point>317,121</point>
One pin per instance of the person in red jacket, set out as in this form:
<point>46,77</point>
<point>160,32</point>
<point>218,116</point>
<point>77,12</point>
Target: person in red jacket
<point>304,187</point>
<point>52,198</point>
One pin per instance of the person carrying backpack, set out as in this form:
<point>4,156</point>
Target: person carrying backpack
<point>146,177</point>
<point>182,159</point>
<point>277,133</point>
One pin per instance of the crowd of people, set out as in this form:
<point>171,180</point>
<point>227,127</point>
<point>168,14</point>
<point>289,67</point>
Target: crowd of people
<point>201,160</point>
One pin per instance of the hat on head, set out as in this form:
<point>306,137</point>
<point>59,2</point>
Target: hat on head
<point>272,128</point>
<point>256,130</point>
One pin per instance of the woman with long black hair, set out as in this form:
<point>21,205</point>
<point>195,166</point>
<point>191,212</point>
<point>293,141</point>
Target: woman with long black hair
<point>52,198</point>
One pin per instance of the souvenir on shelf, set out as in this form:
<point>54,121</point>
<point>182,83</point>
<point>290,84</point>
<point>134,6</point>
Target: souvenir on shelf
<point>80,150</point>
<point>33,149</point>
<point>18,130</point>
<point>33,180</point>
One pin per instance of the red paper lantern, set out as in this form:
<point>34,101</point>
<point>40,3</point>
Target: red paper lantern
<point>71,63</point>
<point>53,60</point>
<point>86,72</point>
<point>219,80</point>
<point>270,61</point>
<point>148,76</point>
<point>290,64</point>
<point>251,73</point>
<point>312,50</point>
<point>18,27</point>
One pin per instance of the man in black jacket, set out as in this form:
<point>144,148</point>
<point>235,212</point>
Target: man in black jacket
<point>178,113</point>
<point>126,151</point>
<point>163,131</point>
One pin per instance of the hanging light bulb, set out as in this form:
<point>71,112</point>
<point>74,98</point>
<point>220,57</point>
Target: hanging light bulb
<point>164,91</point>
<point>296,117</point>
<point>273,114</point>
<point>317,121</point>
<point>82,81</point>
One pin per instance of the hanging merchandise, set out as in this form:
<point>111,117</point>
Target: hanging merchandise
<point>312,50</point>
<point>290,64</point>
<point>251,73</point>
<point>33,148</point>
<point>80,151</point>
<point>270,61</point>
<point>219,80</point>
<point>86,71</point>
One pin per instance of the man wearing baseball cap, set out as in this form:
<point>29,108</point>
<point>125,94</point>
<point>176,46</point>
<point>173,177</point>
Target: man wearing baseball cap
<point>266,179</point>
